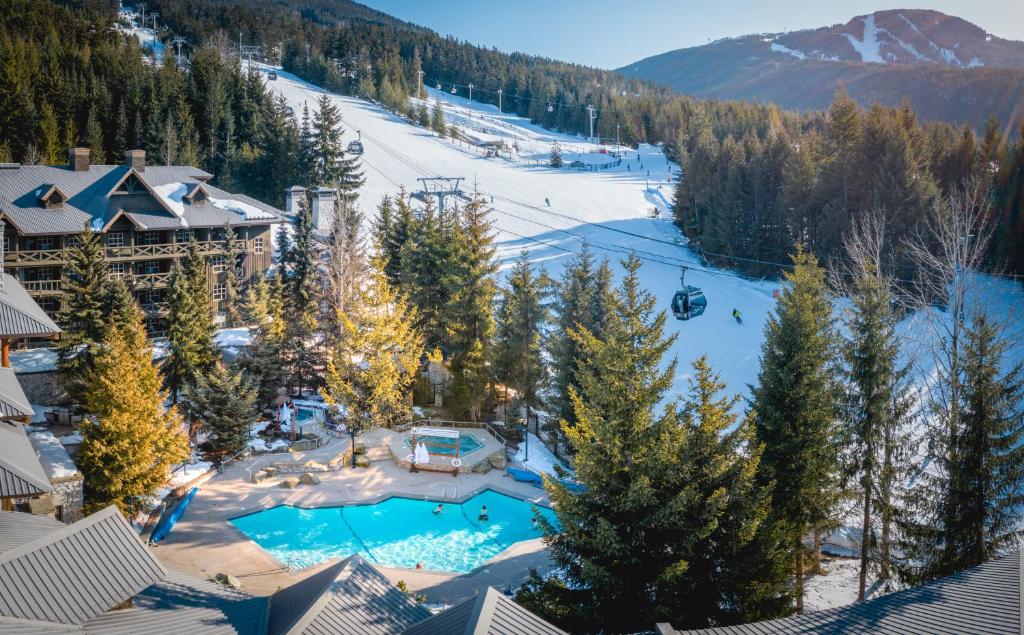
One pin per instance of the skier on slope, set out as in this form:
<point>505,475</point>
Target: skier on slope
<point>736,315</point>
<point>548,201</point>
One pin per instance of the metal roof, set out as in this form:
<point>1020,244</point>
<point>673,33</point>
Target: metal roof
<point>20,471</point>
<point>13,402</point>
<point>17,528</point>
<point>90,201</point>
<point>984,600</point>
<point>349,597</point>
<point>490,613</point>
<point>20,315</point>
<point>182,604</point>
<point>76,573</point>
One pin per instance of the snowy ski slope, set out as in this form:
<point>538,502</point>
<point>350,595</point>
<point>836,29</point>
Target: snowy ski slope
<point>611,209</point>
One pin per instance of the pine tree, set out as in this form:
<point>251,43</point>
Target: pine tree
<point>264,361</point>
<point>224,400</point>
<point>522,316</point>
<point>49,136</point>
<point>876,403</point>
<point>82,313</point>
<point>437,123</point>
<point>346,259</point>
<point>967,510</point>
<point>371,373</point>
<point>303,354</point>
<point>191,349</point>
<point>232,278</point>
<point>794,402</point>
<point>556,157</point>
<point>94,140</point>
<point>613,544</point>
<point>132,441</point>
<point>469,314</point>
<point>331,165</point>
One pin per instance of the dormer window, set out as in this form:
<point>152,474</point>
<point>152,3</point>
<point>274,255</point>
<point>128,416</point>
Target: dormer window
<point>129,185</point>
<point>196,195</point>
<point>51,197</point>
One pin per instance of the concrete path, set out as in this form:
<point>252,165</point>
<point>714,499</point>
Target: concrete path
<point>204,543</point>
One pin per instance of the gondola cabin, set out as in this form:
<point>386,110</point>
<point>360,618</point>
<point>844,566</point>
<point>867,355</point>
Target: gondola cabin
<point>272,76</point>
<point>688,303</point>
<point>355,147</point>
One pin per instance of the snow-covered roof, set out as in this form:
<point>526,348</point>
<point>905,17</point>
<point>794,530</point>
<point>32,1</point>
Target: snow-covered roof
<point>52,455</point>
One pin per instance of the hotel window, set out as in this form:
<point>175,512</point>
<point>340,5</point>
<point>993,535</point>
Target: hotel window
<point>39,242</point>
<point>72,241</point>
<point>148,238</point>
<point>218,234</point>
<point>117,269</point>
<point>220,291</point>
<point>257,245</point>
<point>148,267</point>
<point>115,239</point>
<point>7,242</point>
<point>183,235</point>
<point>218,263</point>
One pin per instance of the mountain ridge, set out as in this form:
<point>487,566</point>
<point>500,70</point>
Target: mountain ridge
<point>951,69</point>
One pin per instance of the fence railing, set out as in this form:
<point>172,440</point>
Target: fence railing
<point>448,423</point>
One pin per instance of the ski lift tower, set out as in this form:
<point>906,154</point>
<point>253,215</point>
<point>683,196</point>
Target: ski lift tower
<point>248,52</point>
<point>440,186</point>
<point>177,41</point>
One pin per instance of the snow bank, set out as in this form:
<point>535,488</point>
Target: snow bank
<point>246,210</point>
<point>52,455</point>
<point>188,473</point>
<point>541,458</point>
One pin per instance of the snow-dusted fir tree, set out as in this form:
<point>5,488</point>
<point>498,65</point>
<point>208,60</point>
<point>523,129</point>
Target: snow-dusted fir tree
<point>303,353</point>
<point>796,416</point>
<point>82,313</point>
<point>556,156</point>
<point>332,166</point>
<point>233,283</point>
<point>437,123</point>
<point>132,441</point>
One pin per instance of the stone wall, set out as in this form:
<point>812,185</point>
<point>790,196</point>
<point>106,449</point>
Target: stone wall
<point>43,389</point>
<point>71,490</point>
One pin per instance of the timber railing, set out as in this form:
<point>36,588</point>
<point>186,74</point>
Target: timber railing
<point>447,423</point>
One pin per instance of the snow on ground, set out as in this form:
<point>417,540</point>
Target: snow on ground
<point>541,459</point>
<point>147,37</point>
<point>189,472</point>
<point>593,206</point>
<point>838,587</point>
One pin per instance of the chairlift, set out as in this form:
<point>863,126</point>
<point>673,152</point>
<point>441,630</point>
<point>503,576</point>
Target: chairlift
<point>453,89</point>
<point>689,302</point>
<point>550,107</point>
<point>439,85</point>
<point>356,147</point>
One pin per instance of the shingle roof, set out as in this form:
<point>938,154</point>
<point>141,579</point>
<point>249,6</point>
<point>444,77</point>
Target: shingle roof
<point>20,471</point>
<point>490,613</point>
<point>89,201</point>
<point>18,528</point>
<point>349,597</point>
<point>77,573</point>
<point>984,600</point>
<point>20,315</point>
<point>13,402</point>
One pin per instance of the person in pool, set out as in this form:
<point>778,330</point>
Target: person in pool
<point>437,510</point>
<point>483,513</point>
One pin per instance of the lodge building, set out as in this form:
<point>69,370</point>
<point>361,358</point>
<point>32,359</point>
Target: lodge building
<point>146,216</point>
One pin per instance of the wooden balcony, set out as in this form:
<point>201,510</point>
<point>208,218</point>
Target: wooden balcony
<point>42,287</point>
<point>152,280</point>
<point>44,257</point>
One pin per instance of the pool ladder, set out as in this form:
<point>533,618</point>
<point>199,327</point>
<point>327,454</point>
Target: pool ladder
<point>453,495</point>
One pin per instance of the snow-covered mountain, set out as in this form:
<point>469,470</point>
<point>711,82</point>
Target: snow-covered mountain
<point>949,68</point>
<point>902,36</point>
<point>550,212</point>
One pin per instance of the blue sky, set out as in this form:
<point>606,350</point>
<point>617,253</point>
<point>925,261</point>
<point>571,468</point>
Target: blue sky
<point>613,33</point>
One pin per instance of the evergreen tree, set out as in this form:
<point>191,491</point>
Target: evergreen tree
<point>613,544</point>
<point>967,511</point>
<point>232,278</point>
<point>437,123</point>
<point>371,373</point>
<point>224,400</point>
<point>876,403</point>
<point>191,349</point>
<point>82,313</point>
<point>331,165</point>
<point>346,259</point>
<point>795,406</point>
<point>132,441</point>
<point>469,319</point>
<point>522,316</point>
<point>556,156</point>
<point>303,353</point>
<point>264,361</point>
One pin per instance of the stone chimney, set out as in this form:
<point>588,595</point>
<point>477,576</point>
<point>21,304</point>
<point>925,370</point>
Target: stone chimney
<point>135,159</point>
<point>78,159</point>
<point>323,209</point>
<point>293,196</point>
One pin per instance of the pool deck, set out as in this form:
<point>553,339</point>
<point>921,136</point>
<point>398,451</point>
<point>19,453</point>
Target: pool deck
<point>204,542</point>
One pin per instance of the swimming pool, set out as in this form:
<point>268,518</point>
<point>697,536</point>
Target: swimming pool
<point>436,445</point>
<point>397,532</point>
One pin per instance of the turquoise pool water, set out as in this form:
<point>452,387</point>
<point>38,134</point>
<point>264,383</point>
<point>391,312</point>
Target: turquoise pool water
<point>305,414</point>
<point>467,444</point>
<point>397,532</point>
